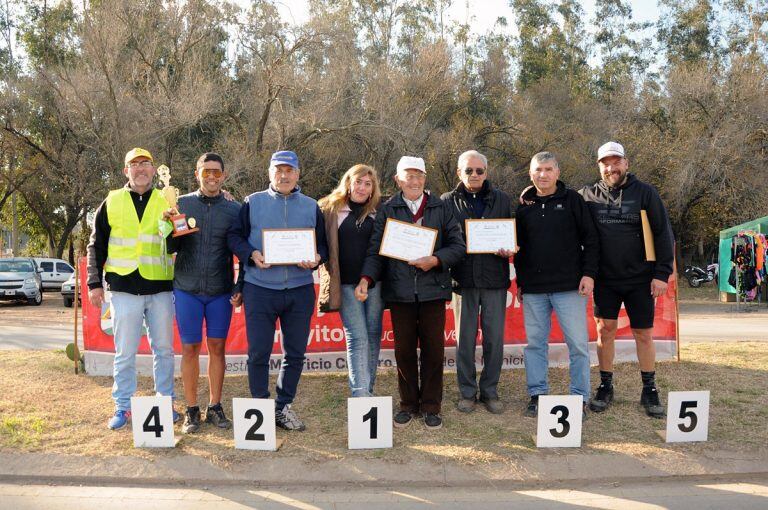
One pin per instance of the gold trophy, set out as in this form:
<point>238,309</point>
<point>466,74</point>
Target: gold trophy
<point>181,226</point>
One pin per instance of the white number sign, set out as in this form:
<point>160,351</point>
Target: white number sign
<point>687,416</point>
<point>152,419</point>
<point>369,422</point>
<point>559,421</point>
<point>254,423</point>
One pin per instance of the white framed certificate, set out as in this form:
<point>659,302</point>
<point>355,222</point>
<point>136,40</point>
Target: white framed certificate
<point>491,235</point>
<point>288,246</point>
<point>406,241</point>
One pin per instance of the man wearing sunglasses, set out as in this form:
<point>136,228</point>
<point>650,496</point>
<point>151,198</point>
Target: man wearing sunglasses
<point>203,287</point>
<point>480,286</point>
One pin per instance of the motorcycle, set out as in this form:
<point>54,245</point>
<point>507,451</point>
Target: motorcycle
<point>696,275</point>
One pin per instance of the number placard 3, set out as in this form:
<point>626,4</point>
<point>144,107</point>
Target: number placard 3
<point>254,423</point>
<point>559,421</point>
<point>369,422</point>
<point>152,422</point>
<point>687,416</point>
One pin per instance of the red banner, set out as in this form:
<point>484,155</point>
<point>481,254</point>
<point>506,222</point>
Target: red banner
<point>326,333</point>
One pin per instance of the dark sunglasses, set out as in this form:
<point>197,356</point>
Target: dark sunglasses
<point>478,171</point>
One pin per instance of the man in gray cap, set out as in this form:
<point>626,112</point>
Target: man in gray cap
<point>624,275</point>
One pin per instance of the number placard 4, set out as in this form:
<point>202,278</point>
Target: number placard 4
<point>559,421</point>
<point>687,416</point>
<point>369,422</point>
<point>254,423</point>
<point>152,421</point>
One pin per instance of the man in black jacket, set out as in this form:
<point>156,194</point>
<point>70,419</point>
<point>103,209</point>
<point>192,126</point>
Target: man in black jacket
<point>555,268</point>
<point>624,276</point>
<point>203,287</point>
<point>416,292</point>
<point>480,284</point>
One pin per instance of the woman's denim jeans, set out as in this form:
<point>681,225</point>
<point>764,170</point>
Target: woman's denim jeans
<point>362,327</point>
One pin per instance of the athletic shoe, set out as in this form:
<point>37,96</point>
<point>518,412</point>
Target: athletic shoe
<point>603,398</point>
<point>287,419</point>
<point>585,412</point>
<point>533,407</point>
<point>649,399</point>
<point>191,421</point>
<point>493,405</point>
<point>403,419</point>
<point>433,421</point>
<point>215,415</point>
<point>119,419</point>
<point>466,405</point>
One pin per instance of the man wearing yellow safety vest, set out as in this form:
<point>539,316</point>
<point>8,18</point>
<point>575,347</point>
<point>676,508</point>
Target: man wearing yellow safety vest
<point>128,245</point>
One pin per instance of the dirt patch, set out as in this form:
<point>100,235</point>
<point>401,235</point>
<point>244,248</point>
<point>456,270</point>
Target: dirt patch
<point>46,408</point>
<point>51,312</point>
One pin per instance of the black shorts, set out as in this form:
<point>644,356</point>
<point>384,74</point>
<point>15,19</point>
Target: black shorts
<point>637,300</point>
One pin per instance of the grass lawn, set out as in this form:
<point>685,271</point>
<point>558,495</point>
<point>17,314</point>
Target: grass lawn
<point>44,407</point>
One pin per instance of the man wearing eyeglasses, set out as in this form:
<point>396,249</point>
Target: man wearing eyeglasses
<point>128,245</point>
<point>480,286</point>
<point>203,287</point>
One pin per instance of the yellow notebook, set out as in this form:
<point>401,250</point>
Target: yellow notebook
<point>650,249</point>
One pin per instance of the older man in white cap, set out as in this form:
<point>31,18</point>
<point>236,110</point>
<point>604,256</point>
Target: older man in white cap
<point>416,292</point>
<point>624,275</point>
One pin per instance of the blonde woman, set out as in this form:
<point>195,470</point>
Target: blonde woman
<point>349,213</point>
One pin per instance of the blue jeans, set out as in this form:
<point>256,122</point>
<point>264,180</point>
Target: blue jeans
<point>263,307</point>
<point>362,327</point>
<point>129,313</point>
<point>571,310</point>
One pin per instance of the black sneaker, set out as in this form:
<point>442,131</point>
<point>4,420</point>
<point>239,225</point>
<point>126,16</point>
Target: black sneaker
<point>191,420</point>
<point>602,399</point>
<point>433,421</point>
<point>403,419</point>
<point>215,415</point>
<point>649,399</point>
<point>287,419</point>
<point>533,407</point>
<point>585,413</point>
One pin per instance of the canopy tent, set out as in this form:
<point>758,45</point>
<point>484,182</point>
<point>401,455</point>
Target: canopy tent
<point>759,225</point>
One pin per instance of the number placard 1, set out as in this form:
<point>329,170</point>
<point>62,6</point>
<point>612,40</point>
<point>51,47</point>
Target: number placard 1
<point>152,422</point>
<point>559,421</point>
<point>687,416</point>
<point>369,422</point>
<point>254,423</point>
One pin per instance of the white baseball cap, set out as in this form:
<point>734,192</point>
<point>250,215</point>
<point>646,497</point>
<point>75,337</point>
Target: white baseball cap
<point>410,162</point>
<point>610,149</point>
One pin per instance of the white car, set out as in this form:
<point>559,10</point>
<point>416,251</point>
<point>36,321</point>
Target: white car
<point>54,272</point>
<point>68,291</point>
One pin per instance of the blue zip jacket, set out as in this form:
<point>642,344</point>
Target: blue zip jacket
<point>270,209</point>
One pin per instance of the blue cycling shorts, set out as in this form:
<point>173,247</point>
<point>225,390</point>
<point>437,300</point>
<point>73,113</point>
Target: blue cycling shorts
<point>191,309</point>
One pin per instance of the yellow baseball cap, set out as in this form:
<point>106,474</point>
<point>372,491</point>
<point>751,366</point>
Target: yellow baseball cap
<point>135,153</point>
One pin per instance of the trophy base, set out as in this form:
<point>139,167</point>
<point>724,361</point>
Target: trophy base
<point>184,232</point>
<point>180,225</point>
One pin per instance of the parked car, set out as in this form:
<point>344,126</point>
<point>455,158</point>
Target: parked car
<point>55,272</point>
<point>68,292</point>
<point>20,280</point>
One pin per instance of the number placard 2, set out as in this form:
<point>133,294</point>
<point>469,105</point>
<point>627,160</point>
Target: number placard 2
<point>687,416</point>
<point>369,422</point>
<point>152,422</point>
<point>254,423</point>
<point>559,421</point>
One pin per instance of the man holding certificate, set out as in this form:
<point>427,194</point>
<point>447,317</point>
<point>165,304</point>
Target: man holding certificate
<point>415,240</point>
<point>481,280</point>
<point>279,238</point>
<point>555,267</point>
<point>626,275</point>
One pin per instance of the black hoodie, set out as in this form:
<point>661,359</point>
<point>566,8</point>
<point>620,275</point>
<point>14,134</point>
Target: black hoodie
<point>617,216</point>
<point>558,241</point>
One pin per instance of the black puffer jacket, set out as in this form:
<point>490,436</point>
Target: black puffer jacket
<point>403,283</point>
<point>482,270</point>
<point>203,260</point>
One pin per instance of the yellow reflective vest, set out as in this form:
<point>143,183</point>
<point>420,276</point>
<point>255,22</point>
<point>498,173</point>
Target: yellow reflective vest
<point>134,244</point>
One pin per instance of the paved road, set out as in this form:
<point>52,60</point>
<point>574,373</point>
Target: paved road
<point>697,494</point>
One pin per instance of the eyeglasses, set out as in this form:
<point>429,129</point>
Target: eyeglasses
<point>140,164</point>
<point>215,172</point>
<point>478,171</point>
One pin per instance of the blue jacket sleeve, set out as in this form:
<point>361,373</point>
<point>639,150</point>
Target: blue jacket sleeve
<point>237,236</point>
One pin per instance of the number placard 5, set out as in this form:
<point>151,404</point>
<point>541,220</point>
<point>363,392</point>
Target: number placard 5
<point>559,421</point>
<point>369,422</point>
<point>254,423</point>
<point>152,421</point>
<point>687,416</point>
